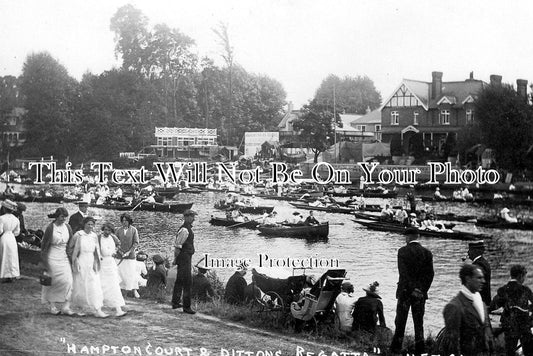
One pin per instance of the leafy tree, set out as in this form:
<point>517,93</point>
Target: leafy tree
<point>316,125</point>
<point>506,125</point>
<point>50,94</point>
<point>352,94</point>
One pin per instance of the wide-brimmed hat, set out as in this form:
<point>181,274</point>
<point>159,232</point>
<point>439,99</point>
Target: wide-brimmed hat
<point>373,290</point>
<point>200,268</point>
<point>413,215</point>
<point>82,203</point>
<point>10,205</point>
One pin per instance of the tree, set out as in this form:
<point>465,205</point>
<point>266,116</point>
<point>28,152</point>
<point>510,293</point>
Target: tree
<point>353,95</point>
<point>506,125</point>
<point>50,94</point>
<point>227,54</point>
<point>316,125</point>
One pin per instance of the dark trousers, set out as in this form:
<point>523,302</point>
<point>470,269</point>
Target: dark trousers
<point>183,281</point>
<point>511,341</point>
<point>402,312</point>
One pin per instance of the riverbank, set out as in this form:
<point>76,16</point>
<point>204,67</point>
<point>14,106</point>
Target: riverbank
<point>149,328</point>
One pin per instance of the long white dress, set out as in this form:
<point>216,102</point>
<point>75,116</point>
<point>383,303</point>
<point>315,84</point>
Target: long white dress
<point>9,256</point>
<point>87,289</point>
<point>59,268</point>
<point>109,276</point>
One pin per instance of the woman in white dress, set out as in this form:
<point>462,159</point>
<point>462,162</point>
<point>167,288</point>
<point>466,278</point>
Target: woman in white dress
<point>9,256</point>
<point>57,264</point>
<point>109,276</point>
<point>127,266</point>
<point>87,289</point>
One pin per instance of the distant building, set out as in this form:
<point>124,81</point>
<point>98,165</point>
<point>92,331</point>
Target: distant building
<point>182,142</point>
<point>254,140</point>
<point>287,134</point>
<point>433,109</point>
<point>369,126</point>
<point>13,130</point>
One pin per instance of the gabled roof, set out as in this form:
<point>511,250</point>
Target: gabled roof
<point>373,117</point>
<point>347,120</point>
<point>419,89</point>
<point>289,117</point>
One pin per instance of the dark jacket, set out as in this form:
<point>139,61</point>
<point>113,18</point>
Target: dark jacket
<point>465,333</point>
<point>415,267</point>
<point>366,313</point>
<point>482,263</point>
<point>512,296</point>
<point>76,222</point>
<point>234,293</point>
<point>201,288</point>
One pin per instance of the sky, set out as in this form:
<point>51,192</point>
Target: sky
<point>297,42</point>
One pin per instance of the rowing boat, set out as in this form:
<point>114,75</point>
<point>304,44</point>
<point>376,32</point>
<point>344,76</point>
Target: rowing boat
<point>497,223</point>
<point>329,209</point>
<point>245,209</point>
<point>455,235</point>
<point>320,231</point>
<point>378,218</point>
<point>169,207</point>
<point>251,224</point>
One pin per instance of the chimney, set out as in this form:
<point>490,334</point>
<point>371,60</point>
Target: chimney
<point>289,109</point>
<point>521,88</point>
<point>436,84</point>
<point>495,80</point>
<point>472,75</point>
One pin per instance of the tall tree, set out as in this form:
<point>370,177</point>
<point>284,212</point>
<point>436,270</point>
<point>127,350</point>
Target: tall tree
<point>50,94</point>
<point>131,38</point>
<point>353,95</point>
<point>227,53</point>
<point>506,125</point>
<point>316,125</point>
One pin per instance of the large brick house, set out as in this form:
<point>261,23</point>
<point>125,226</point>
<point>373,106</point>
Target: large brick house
<point>433,109</point>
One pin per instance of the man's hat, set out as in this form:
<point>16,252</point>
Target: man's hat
<point>201,269</point>
<point>296,213</point>
<point>82,202</point>
<point>411,231</point>
<point>477,245</point>
<point>189,212</point>
<point>412,215</point>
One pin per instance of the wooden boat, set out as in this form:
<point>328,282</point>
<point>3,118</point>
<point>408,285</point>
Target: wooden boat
<point>251,224</point>
<point>33,199</point>
<point>378,218</point>
<point>170,207</point>
<point>455,235</point>
<point>329,209</point>
<point>481,200</point>
<point>320,231</point>
<point>497,223</point>
<point>246,209</point>
<point>28,253</point>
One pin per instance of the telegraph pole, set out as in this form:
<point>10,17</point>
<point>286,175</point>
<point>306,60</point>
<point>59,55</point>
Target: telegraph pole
<point>334,124</point>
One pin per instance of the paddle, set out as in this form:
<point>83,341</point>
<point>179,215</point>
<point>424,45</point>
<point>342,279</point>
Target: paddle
<point>136,206</point>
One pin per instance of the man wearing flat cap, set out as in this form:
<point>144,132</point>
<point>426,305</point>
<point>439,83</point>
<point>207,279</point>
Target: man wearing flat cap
<point>415,268</point>
<point>76,220</point>
<point>183,251</point>
<point>475,253</point>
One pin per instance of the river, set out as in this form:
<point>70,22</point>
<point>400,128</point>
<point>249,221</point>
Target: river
<point>367,255</point>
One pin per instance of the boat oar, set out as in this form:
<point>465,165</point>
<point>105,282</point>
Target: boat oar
<point>136,206</point>
<point>331,224</point>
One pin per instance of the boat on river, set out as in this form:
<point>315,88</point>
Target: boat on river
<point>168,207</point>
<point>368,193</point>
<point>329,209</point>
<point>33,198</point>
<point>250,224</point>
<point>378,218</point>
<point>245,209</point>
<point>392,227</point>
<point>320,231</point>
<point>481,200</point>
<point>498,223</point>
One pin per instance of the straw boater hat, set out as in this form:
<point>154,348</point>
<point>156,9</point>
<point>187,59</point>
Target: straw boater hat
<point>10,205</point>
<point>201,269</point>
<point>373,290</point>
<point>296,213</point>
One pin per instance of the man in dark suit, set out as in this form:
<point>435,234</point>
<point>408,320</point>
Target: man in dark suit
<point>475,253</point>
<point>466,319</point>
<point>415,268</point>
<point>76,220</point>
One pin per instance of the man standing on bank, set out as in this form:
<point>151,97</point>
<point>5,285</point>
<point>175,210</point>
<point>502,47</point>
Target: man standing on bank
<point>475,253</point>
<point>415,268</point>
<point>183,251</point>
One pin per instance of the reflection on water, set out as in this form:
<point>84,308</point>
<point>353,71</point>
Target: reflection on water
<point>366,255</point>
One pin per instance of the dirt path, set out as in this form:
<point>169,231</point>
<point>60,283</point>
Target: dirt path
<point>149,328</point>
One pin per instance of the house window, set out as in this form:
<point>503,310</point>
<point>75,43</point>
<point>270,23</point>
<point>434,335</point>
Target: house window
<point>377,134</point>
<point>445,117</point>
<point>469,116</point>
<point>394,118</point>
<point>360,128</point>
<point>415,118</point>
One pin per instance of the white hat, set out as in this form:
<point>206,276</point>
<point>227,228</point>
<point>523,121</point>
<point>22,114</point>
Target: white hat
<point>8,204</point>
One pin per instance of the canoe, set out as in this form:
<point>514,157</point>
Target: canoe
<point>251,224</point>
<point>170,207</point>
<point>320,231</point>
<point>378,218</point>
<point>455,235</point>
<point>496,223</point>
<point>329,209</point>
<point>246,209</point>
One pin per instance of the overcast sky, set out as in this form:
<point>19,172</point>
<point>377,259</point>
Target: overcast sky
<point>296,42</point>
